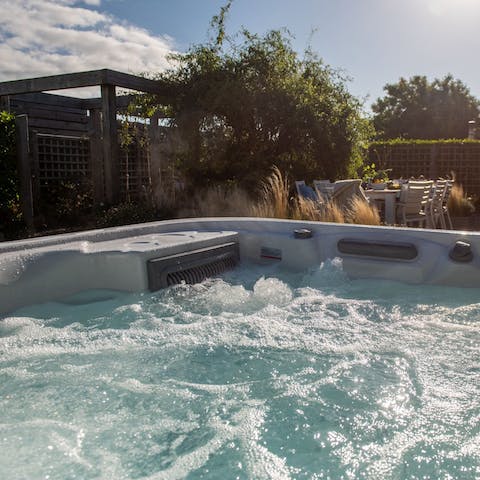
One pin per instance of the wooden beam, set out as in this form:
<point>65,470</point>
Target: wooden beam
<point>122,101</point>
<point>36,111</point>
<point>54,82</point>
<point>60,132</point>
<point>27,108</point>
<point>48,99</point>
<point>132,82</point>
<point>111,161</point>
<point>80,79</point>
<point>58,124</point>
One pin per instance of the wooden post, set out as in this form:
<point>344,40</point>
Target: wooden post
<point>111,161</point>
<point>5,103</point>
<point>25,170</point>
<point>96,156</point>
<point>155,159</point>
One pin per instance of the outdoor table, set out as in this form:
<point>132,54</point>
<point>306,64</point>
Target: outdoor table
<point>390,199</point>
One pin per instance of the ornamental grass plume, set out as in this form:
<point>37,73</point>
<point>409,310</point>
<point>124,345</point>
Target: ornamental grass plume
<point>332,213</point>
<point>275,202</point>
<point>274,197</point>
<point>305,209</point>
<point>358,212</point>
<point>361,212</point>
<point>459,205</point>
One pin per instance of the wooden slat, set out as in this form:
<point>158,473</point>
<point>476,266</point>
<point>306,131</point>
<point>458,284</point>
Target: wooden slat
<point>58,115</point>
<point>62,132</point>
<point>49,99</point>
<point>122,101</point>
<point>57,124</point>
<point>26,108</point>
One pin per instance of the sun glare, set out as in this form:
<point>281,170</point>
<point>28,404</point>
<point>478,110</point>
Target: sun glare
<point>448,7</point>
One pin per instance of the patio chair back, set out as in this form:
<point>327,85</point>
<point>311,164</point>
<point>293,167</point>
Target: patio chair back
<point>325,189</point>
<point>447,221</point>
<point>305,192</point>
<point>414,198</point>
<point>346,190</point>
<point>434,208</point>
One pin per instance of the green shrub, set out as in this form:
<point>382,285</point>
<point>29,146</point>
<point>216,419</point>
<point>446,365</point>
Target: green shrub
<point>11,219</point>
<point>402,141</point>
<point>67,203</point>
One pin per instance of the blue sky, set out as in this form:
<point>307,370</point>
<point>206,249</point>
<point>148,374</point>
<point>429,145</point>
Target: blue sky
<point>373,41</point>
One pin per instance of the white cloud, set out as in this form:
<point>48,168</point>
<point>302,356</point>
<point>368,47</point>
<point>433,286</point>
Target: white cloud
<point>48,37</point>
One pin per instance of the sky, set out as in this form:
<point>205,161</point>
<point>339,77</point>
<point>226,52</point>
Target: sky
<point>373,42</point>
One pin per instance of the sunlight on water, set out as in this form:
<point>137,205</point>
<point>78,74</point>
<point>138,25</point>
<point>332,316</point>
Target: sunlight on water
<point>256,375</point>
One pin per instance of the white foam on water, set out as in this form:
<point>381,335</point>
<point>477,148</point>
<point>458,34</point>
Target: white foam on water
<point>254,375</point>
<point>11,269</point>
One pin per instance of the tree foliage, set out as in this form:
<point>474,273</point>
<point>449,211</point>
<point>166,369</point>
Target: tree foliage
<point>245,103</point>
<point>10,211</point>
<point>8,183</point>
<point>416,108</point>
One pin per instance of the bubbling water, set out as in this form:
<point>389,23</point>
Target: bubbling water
<point>256,375</point>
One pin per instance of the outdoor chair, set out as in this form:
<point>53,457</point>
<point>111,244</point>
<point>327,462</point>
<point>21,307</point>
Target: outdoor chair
<point>445,212</point>
<point>324,189</point>
<point>412,206</point>
<point>341,191</point>
<point>347,190</point>
<point>306,192</point>
<point>434,208</point>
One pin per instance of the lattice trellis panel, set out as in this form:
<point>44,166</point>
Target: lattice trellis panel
<point>464,162</point>
<point>135,166</point>
<point>433,161</point>
<point>405,160</point>
<point>61,158</point>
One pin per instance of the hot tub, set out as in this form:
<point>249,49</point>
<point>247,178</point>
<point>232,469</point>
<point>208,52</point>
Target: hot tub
<point>240,348</point>
<point>49,268</point>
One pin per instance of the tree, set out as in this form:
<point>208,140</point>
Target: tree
<point>418,109</point>
<point>245,104</point>
<point>10,211</point>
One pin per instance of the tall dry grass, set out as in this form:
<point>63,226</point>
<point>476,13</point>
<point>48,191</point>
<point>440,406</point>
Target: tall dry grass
<point>361,212</point>
<point>332,212</point>
<point>358,211</point>
<point>274,197</point>
<point>304,209</point>
<point>274,201</point>
<point>458,203</point>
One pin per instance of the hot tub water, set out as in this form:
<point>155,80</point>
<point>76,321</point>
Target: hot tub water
<point>258,374</point>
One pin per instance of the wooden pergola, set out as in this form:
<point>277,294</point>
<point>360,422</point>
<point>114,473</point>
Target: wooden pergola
<point>103,109</point>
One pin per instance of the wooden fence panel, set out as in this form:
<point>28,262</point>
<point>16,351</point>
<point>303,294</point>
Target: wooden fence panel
<point>431,160</point>
<point>135,178</point>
